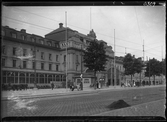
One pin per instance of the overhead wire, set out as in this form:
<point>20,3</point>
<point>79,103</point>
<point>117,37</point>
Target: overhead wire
<point>77,26</point>
<point>97,32</point>
<point>51,29</point>
<point>17,22</point>
<point>28,23</point>
<point>73,26</point>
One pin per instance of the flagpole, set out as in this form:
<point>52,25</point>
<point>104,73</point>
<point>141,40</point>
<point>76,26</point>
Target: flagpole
<point>66,46</point>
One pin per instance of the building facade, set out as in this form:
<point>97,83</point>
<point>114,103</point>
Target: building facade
<point>33,59</point>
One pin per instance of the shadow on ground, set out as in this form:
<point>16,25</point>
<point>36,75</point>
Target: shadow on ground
<point>118,104</point>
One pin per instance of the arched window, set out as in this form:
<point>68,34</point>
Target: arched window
<point>27,78</point>
<point>10,77</point>
<point>16,77</point>
<point>54,79</point>
<point>22,78</point>
<point>37,77</point>
<point>63,78</point>
<point>49,78</point>
<point>4,77</point>
<point>46,78</point>
<point>57,77</point>
<point>41,77</point>
<point>32,78</point>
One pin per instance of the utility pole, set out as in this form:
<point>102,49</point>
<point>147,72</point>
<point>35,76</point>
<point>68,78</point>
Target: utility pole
<point>143,50</point>
<point>149,70</point>
<point>125,50</point>
<point>162,62</point>
<point>143,63</point>
<point>114,61</point>
<point>81,69</point>
<point>66,47</point>
<point>90,20</point>
<point>35,82</point>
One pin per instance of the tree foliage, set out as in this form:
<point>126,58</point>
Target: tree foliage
<point>128,64</point>
<point>95,57</point>
<point>138,65</point>
<point>155,68</point>
<point>132,65</point>
<point>163,66</point>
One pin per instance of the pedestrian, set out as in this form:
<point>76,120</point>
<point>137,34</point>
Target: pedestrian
<point>78,87</point>
<point>81,86</point>
<point>52,85</point>
<point>134,85</point>
<point>97,85</point>
<point>72,87</point>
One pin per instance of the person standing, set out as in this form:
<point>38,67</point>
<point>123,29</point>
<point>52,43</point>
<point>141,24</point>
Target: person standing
<point>78,87</point>
<point>52,85</point>
<point>81,86</point>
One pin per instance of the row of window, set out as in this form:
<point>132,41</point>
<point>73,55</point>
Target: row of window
<point>25,52</point>
<point>76,58</point>
<point>15,77</point>
<point>23,37</point>
<point>117,66</point>
<point>25,64</point>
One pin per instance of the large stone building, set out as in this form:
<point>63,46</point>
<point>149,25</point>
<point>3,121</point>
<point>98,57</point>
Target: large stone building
<point>32,59</point>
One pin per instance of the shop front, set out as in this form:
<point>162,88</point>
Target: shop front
<point>87,80</point>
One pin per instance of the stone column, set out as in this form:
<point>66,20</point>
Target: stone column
<point>18,77</point>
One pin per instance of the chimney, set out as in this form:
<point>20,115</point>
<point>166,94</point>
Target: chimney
<point>60,25</point>
<point>23,30</point>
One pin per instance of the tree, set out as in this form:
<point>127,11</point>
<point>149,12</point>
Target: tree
<point>155,68</point>
<point>95,57</point>
<point>138,66</point>
<point>128,64</point>
<point>163,66</point>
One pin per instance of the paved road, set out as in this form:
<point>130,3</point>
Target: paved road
<point>82,105</point>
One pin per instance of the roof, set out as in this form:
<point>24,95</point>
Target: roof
<point>75,39</point>
<point>58,30</point>
<point>80,34</point>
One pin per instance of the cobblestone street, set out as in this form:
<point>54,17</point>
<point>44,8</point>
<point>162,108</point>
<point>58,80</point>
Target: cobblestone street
<point>91,104</point>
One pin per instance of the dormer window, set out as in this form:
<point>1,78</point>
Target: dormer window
<point>49,43</point>
<point>33,39</point>
<point>81,39</point>
<point>13,35</point>
<point>23,37</point>
<point>56,45</point>
<point>41,41</point>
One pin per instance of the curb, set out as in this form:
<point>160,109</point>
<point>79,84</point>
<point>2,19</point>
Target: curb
<point>76,92</point>
<point>51,95</point>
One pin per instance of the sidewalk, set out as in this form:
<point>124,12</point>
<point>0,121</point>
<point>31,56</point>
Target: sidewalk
<point>31,93</point>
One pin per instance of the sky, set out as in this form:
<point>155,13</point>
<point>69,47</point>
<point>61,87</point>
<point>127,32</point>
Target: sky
<point>134,26</point>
